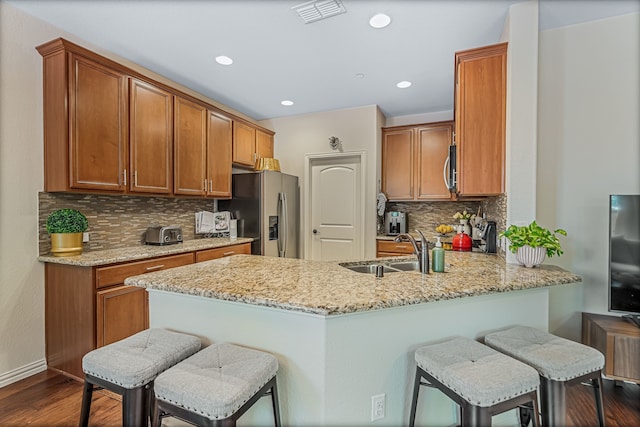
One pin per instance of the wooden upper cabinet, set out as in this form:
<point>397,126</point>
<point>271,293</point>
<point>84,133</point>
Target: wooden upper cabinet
<point>432,161</point>
<point>244,144</point>
<point>85,122</point>
<point>264,145</point>
<point>219,147</point>
<point>151,138</point>
<point>98,126</point>
<point>480,116</point>
<point>110,129</point>
<point>398,163</point>
<point>190,148</point>
<point>414,161</point>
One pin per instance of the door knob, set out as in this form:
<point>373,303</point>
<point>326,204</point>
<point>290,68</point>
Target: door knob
<point>315,231</point>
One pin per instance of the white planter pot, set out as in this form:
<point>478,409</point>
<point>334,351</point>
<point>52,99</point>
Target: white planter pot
<point>531,257</point>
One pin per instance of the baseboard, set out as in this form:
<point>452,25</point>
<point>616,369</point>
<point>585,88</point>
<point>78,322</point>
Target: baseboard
<point>22,372</point>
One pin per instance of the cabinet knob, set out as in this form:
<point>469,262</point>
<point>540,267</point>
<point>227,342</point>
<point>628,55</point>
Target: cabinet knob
<point>315,231</point>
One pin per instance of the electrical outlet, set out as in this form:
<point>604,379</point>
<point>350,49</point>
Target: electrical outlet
<point>377,407</point>
<point>85,237</point>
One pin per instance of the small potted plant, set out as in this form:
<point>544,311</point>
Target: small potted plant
<point>532,243</point>
<point>66,227</point>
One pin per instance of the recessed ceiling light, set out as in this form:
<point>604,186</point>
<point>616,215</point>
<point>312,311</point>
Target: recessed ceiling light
<point>404,84</point>
<point>224,60</point>
<point>380,20</point>
<point>359,76</point>
<point>287,103</point>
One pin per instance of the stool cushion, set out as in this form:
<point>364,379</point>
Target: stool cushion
<point>555,358</point>
<point>477,373</point>
<point>138,359</point>
<point>216,381</point>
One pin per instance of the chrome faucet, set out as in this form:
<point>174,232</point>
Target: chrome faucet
<point>422,253</point>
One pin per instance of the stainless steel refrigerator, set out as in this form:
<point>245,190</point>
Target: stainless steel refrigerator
<point>266,205</point>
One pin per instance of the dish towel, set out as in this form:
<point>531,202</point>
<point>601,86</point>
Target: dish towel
<point>382,199</point>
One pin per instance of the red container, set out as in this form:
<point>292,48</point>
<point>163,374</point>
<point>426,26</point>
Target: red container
<point>462,242</point>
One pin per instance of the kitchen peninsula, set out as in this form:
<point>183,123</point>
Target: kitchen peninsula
<point>340,336</point>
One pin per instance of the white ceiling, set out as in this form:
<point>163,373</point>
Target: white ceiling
<point>278,57</point>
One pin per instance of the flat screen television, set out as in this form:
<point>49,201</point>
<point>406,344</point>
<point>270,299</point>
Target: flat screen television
<point>624,255</point>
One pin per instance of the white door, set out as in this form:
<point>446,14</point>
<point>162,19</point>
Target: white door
<point>335,226</point>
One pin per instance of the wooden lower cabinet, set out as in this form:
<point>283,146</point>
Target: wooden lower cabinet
<point>88,307</point>
<point>618,340</point>
<point>215,253</point>
<point>389,248</point>
<point>121,312</point>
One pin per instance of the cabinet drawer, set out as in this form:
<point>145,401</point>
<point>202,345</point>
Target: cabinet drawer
<point>115,274</point>
<point>390,246</point>
<point>209,254</point>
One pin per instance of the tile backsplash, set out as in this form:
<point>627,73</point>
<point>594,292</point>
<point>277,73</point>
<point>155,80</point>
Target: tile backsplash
<point>120,221</point>
<point>427,215</point>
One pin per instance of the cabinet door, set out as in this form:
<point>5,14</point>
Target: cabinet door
<point>433,151</point>
<point>264,145</point>
<point>398,164</point>
<point>190,148</point>
<point>215,253</point>
<point>121,312</point>
<point>98,126</point>
<point>480,116</point>
<point>219,147</point>
<point>151,138</point>
<point>244,142</point>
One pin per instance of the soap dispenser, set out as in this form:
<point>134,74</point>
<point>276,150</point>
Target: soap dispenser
<point>437,257</point>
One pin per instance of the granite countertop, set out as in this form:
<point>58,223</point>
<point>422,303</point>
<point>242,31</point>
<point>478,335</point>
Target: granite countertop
<point>326,288</point>
<point>134,253</point>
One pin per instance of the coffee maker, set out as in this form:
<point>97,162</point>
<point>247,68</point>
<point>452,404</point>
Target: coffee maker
<point>488,239</point>
<point>395,223</point>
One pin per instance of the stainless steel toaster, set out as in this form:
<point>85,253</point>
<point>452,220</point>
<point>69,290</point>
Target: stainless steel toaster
<point>163,235</point>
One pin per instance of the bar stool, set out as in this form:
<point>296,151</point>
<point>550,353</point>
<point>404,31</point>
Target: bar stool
<point>560,362</point>
<point>215,386</point>
<point>481,380</point>
<point>129,366</point>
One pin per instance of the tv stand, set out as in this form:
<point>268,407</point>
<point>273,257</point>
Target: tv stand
<point>618,340</point>
<point>633,318</point>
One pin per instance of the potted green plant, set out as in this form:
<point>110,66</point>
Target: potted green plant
<point>532,243</point>
<point>66,227</point>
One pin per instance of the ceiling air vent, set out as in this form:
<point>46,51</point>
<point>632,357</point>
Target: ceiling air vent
<point>316,10</point>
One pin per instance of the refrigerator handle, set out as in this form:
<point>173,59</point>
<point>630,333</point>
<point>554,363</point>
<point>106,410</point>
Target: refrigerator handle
<point>282,225</point>
<point>285,227</point>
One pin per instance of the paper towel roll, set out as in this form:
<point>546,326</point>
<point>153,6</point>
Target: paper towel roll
<point>233,229</point>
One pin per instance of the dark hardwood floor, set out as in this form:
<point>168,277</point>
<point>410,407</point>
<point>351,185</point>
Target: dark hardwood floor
<point>51,399</point>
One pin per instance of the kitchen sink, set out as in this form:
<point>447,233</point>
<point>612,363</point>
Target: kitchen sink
<point>405,265</point>
<point>369,267</point>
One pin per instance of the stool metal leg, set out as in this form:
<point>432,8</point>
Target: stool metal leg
<point>553,402</point>
<point>134,407</point>
<point>414,399</point>
<point>597,391</point>
<point>275,403</point>
<point>475,416</point>
<point>87,395</point>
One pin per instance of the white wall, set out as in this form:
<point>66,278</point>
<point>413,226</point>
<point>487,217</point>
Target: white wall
<point>357,128</point>
<point>416,119</point>
<point>521,32</point>
<point>588,138</point>
<point>21,177</point>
